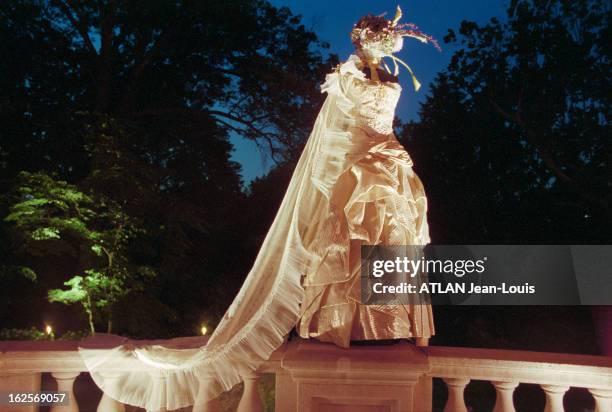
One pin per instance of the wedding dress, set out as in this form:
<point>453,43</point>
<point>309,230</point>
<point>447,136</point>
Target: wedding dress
<point>353,185</point>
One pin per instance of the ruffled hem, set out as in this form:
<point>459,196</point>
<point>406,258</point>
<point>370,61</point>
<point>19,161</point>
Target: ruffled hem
<point>146,376</point>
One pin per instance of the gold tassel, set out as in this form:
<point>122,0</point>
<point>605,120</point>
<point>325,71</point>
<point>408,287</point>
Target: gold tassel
<point>415,82</point>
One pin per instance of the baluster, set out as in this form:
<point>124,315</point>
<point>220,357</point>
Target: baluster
<point>250,400</point>
<point>603,399</point>
<point>554,397</point>
<point>456,387</point>
<point>503,399</point>
<point>65,383</point>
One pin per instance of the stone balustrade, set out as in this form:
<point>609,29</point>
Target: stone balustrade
<point>312,376</point>
<point>555,373</point>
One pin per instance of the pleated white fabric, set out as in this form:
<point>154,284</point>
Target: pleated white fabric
<point>180,373</point>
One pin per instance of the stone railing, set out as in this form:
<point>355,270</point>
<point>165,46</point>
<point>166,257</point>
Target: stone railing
<point>312,376</point>
<point>555,373</point>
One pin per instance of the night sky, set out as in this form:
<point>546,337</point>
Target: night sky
<point>332,20</point>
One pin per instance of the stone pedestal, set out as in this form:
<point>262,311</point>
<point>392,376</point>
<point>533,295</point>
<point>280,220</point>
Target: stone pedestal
<point>323,377</point>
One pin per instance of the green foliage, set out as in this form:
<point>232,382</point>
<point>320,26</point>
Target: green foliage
<point>76,293</point>
<point>97,292</point>
<point>35,334</point>
<point>10,271</point>
<point>23,334</point>
<point>128,108</point>
<point>46,212</point>
<point>74,335</point>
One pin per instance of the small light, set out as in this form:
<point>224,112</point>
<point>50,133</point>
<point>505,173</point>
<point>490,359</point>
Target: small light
<point>48,330</point>
<point>204,330</point>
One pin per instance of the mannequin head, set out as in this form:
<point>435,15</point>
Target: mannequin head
<point>375,37</point>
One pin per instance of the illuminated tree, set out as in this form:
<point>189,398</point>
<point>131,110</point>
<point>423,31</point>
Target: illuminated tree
<point>50,216</point>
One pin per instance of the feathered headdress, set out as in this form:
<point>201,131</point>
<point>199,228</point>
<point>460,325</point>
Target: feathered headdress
<point>381,38</point>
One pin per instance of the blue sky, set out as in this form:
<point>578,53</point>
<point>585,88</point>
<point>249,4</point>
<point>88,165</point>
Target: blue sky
<point>332,20</point>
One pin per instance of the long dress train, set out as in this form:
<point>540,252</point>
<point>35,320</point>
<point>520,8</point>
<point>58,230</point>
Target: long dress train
<point>353,184</point>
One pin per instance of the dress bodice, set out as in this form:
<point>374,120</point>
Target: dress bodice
<point>356,119</point>
<point>375,103</point>
<point>371,104</point>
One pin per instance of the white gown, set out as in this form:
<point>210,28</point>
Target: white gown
<point>353,184</point>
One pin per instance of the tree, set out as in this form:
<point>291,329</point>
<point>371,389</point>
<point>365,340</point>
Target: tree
<point>183,73</point>
<point>51,217</point>
<point>514,140</point>
<point>513,145</point>
<point>134,102</point>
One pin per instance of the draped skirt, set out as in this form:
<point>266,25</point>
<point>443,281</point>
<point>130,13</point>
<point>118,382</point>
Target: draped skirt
<point>378,200</point>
